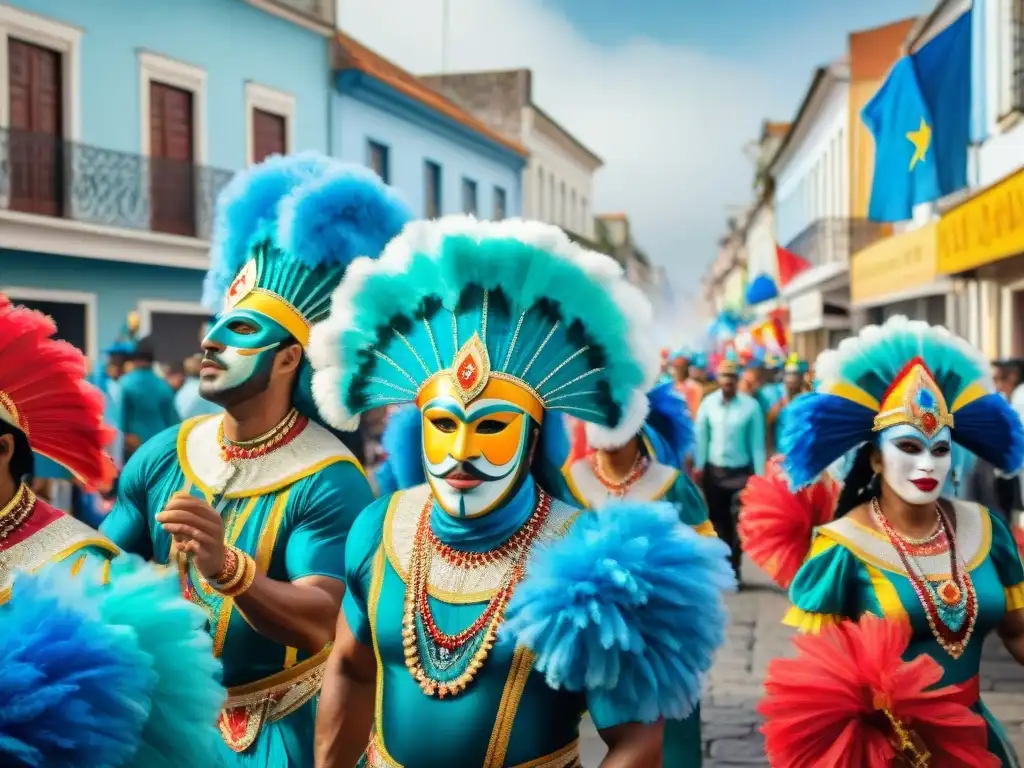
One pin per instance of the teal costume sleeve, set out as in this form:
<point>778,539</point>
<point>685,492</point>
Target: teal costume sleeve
<point>363,542</point>
<point>824,590</point>
<point>127,524</point>
<point>700,445</point>
<point>757,442</point>
<point>1007,560</point>
<point>693,511</point>
<point>325,511</point>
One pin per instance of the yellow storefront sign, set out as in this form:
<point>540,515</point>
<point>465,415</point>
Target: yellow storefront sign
<point>894,265</point>
<point>987,228</point>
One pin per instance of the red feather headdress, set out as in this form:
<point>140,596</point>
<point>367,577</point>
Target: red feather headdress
<point>776,524</point>
<point>44,394</point>
<point>848,699</point>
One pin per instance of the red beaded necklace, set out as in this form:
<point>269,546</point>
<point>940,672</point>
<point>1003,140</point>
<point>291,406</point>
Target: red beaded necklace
<point>278,437</point>
<point>620,487</point>
<point>951,591</point>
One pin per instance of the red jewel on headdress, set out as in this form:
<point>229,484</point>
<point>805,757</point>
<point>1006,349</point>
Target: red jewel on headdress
<point>929,422</point>
<point>468,373</point>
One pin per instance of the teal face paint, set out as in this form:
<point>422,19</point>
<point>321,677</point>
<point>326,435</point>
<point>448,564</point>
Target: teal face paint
<point>238,355</point>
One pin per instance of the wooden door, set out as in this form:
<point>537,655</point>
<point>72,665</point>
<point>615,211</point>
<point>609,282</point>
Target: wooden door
<point>171,158</point>
<point>269,135</point>
<point>36,143</point>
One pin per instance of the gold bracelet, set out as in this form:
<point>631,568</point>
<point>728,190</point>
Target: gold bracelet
<point>236,575</point>
<point>248,577</point>
<point>228,568</point>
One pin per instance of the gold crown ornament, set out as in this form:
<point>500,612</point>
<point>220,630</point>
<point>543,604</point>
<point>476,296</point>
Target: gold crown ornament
<point>914,399</point>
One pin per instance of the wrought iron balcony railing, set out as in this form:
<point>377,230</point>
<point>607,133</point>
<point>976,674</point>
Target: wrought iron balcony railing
<point>47,176</point>
<point>834,240</point>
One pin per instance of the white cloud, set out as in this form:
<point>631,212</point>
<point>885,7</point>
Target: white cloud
<point>669,121</point>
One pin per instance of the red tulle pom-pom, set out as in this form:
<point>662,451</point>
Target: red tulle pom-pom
<point>827,706</point>
<point>776,524</point>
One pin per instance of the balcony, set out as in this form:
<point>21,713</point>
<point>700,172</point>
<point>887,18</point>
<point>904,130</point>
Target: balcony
<point>47,177</point>
<point>834,240</point>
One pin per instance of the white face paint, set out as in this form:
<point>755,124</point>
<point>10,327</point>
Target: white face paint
<point>913,465</point>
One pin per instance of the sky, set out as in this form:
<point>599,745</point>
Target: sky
<point>667,93</point>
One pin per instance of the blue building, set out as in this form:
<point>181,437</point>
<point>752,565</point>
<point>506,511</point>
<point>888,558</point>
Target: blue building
<point>439,156</point>
<point>120,121</point>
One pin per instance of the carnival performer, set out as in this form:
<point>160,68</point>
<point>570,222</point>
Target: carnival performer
<point>793,385</point>
<point>476,603</point>
<point>649,466</point>
<point>93,649</point>
<point>901,395</point>
<point>253,506</point>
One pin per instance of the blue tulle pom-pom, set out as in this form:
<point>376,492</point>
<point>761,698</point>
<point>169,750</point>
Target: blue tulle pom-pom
<point>629,604</point>
<point>74,691</point>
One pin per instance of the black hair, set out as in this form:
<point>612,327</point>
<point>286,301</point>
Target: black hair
<point>861,482</point>
<point>23,461</point>
<point>143,351</point>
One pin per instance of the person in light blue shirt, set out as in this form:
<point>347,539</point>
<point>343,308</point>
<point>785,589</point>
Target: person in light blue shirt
<point>730,448</point>
<point>147,401</point>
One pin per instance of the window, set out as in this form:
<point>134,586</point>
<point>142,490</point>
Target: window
<point>173,138</point>
<point>36,124</point>
<point>469,196</point>
<point>377,160</point>
<point>500,211</point>
<point>1010,48</point>
<point>584,221</point>
<point>73,312</point>
<point>270,115</point>
<point>431,189</point>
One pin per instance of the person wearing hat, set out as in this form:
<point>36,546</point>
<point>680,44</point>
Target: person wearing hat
<point>95,646</point>
<point>793,385</point>
<point>730,447</point>
<point>147,401</point>
<point>1009,379</point>
<point>252,506</point>
<point>476,619</point>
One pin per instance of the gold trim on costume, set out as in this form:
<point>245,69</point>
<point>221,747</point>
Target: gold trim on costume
<point>9,412</point>
<point>515,684</point>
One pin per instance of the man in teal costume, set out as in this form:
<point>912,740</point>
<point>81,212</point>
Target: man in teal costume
<point>649,466</point>
<point>460,643</point>
<point>147,401</point>
<point>253,507</point>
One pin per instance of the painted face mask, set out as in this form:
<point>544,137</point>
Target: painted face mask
<point>239,355</point>
<point>476,455</point>
<point>914,465</point>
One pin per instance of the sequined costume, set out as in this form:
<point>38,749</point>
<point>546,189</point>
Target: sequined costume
<point>286,230</point>
<point>93,645</point>
<point>907,381</point>
<point>658,475</point>
<point>494,330</point>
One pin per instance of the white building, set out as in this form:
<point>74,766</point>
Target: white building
<point>812,211</point>
<point>558,183</point>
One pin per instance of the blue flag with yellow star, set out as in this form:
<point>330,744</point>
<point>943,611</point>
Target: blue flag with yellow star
<point>921,121</point>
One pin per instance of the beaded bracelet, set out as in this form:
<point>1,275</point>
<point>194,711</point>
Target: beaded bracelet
<point>248,576</point>
<point>228,569</point>
<point>230,576</point>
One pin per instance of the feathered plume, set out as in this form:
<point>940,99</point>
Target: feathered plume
<point>629,603</point>
<point>402,442</point>
<point>347,213</point>
<point>827,706</point>
<point>820,427</point>
<point>186,696</point>
<point>57,409</point>
<point>75,690</point>
<point>247,212</point>
<point>670,420</point>
<point>776,524</point>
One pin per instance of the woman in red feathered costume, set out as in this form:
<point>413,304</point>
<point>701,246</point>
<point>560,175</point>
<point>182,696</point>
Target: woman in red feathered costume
<point>47,407</point>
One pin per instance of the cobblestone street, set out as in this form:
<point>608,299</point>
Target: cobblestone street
<point>730,727</point>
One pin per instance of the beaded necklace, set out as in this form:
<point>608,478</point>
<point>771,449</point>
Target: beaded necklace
<point>282,433</point>
<point>418,625</point>
<point>17,511</point>
<point>620,487</point>
<point>951,608</point>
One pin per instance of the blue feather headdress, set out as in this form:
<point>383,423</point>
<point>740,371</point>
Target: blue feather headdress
<point>509,300</point>
<point>904,372</point>
<point>628,606</point>
<point>285,231</point>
